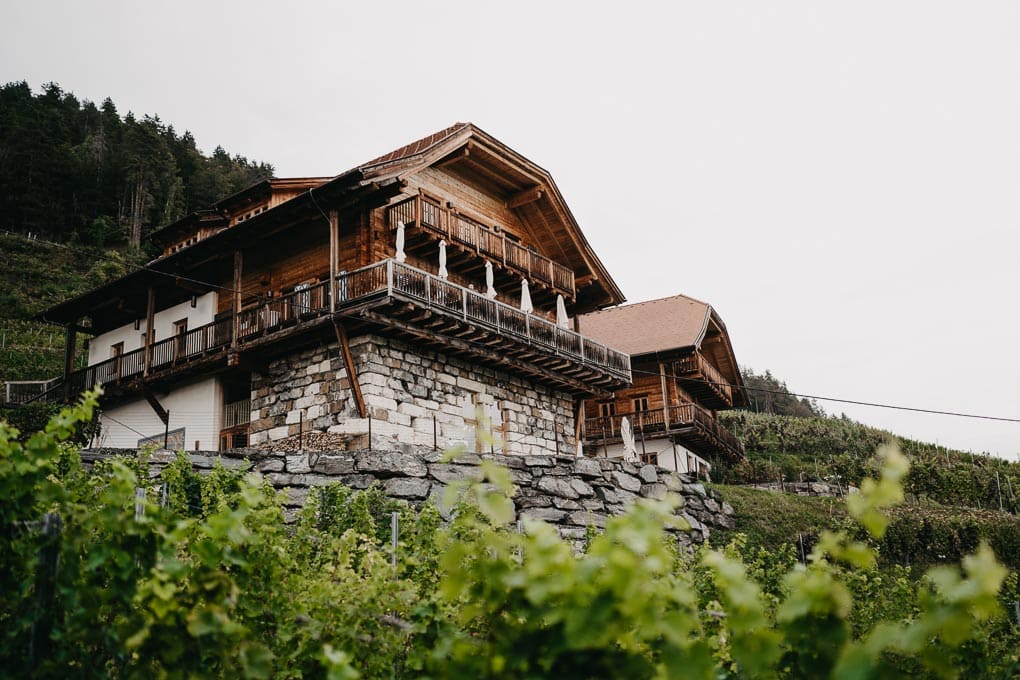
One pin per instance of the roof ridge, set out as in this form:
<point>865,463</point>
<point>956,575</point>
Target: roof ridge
<point>647,302</point>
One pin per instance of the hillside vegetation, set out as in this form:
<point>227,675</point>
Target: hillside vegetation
<point>72,171</point>
<point>82,188</point>
<point>111,573</point>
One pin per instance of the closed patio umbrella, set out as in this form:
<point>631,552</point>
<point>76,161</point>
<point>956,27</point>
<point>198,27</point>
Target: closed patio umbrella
<point>561,313</point>
<point>490,292</point>
<point>400,243</point>
<point>442,260</point>
<point>526,305</point>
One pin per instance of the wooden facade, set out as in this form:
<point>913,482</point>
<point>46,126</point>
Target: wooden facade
<point>288,260</point>
<point>684,372</point>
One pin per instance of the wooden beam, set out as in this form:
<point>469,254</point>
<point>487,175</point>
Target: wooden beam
<point>150,314</point>
<point>524,197</point>
<point>334,256</point>
<point>238,266</point>
<point>70,339</point>
<point>192,286</point>
<point>352,373</point>
<point>163,414</point>
<point>455,157</point>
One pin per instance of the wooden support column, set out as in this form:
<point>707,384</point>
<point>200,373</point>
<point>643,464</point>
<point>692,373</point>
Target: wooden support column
<point>235,324</point>
<point>334,255</point>
<point>150,314</point>
<point>579,422</point>
<point>665,395</point>
<point>70,340</point>
<point>352,374</point>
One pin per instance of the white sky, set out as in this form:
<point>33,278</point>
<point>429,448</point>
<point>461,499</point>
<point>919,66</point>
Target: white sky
<point>839,180</point>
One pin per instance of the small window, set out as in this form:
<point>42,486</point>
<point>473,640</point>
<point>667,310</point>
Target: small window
<point>640,404</point>
<point>607,409</point>
<point>116,350</point>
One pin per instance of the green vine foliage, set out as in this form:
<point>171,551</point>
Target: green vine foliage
<point>214,579</point>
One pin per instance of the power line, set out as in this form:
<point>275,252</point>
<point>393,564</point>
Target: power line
<point>835,399</point>
<point>855,402</point>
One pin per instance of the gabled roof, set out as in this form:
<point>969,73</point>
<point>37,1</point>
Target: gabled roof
<point>659,325</point>
<point>514,175</point>
<point>415,148</point>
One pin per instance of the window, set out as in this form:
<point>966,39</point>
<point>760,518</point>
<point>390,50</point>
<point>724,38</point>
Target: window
<point>640,404</point>
<point>607,409</point>
<point>116,350</point>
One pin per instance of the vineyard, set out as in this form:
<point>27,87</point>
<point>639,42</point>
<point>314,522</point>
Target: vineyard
<point>108,573</point>
<point>790,448</point>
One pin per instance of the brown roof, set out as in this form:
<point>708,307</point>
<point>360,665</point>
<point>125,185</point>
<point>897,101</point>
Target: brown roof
<point>416,147</point>
<point>653,326</point>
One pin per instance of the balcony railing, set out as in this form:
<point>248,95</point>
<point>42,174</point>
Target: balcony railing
<point>712,379</point>
<point>656,422</point>
<point>429,214</point>
<point>386,278</point>
<point>24,391</point>
<point>236,413</point>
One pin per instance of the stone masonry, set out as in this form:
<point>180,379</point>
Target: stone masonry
<point>413,396</point>
<point>570,493</point>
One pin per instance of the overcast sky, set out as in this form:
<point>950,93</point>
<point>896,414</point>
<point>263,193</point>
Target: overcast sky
<point>840,182</point>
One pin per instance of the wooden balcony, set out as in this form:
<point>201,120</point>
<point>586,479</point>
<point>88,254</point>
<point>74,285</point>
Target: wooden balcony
<point>430,215</point>
<point>704,381</point>
<point>688,424</point>
<point>402,298</point>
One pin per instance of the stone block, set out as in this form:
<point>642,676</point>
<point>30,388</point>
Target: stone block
<point>587,467</point>
<point>297,463</point>
<point>582,488</point>
<point>539,461</point>
<point>557,486</point>
<point>391,464</point>
<point>698,489</point>
<point>566,504</point>
<point>407,487</point>
<point>586,518</point>
<point>656,491</point>
<point>333,465</point>
<point>626,482</point>
<point>648,474</point>
<point>447,472</point>
<point>544,514</point>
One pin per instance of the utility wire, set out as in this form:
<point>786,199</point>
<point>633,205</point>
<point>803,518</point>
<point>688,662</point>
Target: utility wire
<point>855,402</point>
<point>834,399</point>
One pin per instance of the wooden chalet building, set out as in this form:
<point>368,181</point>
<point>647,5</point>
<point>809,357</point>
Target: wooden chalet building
<point>285,308</point>
<point>684,371</point>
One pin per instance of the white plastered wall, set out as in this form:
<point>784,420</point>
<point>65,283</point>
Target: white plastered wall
<point>162,322</point>
<point>195,407</point>
<point>671,457</point>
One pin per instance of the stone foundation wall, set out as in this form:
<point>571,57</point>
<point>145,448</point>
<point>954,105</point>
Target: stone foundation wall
<point>823,489</point>
<point>413,396</point>
<point>569,493</point>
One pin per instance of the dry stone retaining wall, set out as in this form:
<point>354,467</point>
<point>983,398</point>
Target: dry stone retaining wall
<point>570,493</point>
<point>413,396</point>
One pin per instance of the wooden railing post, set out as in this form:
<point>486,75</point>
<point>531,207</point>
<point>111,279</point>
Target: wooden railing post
<point>389,277</point>
<point>150,313</point>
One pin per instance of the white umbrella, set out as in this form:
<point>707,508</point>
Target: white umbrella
<point>442,260</point>
<point>526,305</point>
<point>490,292</point>
<point>400,242</point>
<point>561,313</point>
<point>627,434</point>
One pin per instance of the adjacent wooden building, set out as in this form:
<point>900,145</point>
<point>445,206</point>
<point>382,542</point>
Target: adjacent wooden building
<point>684,372</point>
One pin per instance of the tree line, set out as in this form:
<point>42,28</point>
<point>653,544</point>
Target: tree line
<point>76,172</point>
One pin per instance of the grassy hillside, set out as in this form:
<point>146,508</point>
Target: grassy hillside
<point>796,448</point>
<point>33,276</point>
<point>918,535</point>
